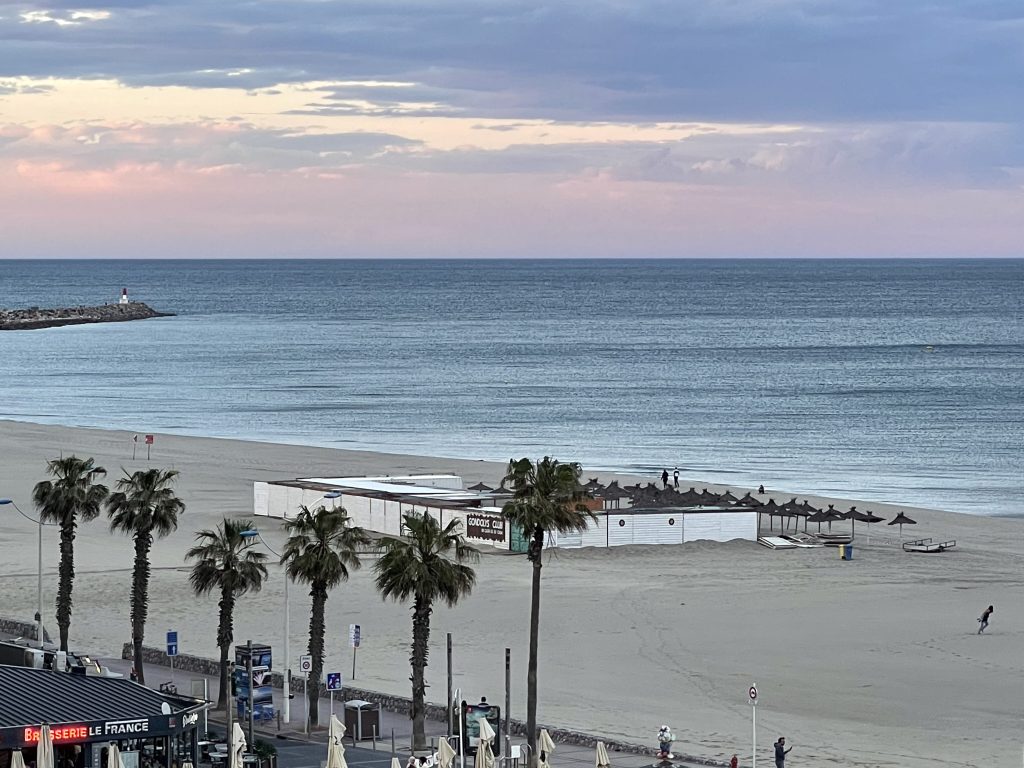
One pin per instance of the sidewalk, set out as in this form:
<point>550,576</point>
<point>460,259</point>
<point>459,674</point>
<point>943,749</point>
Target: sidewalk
<point>393,725</point>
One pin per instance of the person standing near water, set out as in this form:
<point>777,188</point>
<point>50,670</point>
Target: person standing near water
<point>984,618</point>
<point>675,478</point>
<point>664,477</point>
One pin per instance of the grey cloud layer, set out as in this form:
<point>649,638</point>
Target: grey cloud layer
<point>745,60</point>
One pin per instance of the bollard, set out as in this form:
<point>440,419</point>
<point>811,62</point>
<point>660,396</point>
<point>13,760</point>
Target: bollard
<point>392,742</point>
<point>279,720</point>
<point>375,738</point>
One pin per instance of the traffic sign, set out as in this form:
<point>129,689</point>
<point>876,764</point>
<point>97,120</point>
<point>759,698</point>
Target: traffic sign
<point>334,681</point>
<point>753,694</point>
<point>172,643</point>
<point>305,663</point>
<point>355,634</point>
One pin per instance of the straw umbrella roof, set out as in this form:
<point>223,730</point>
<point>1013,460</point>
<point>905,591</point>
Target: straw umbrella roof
<point>749,501</point>
<point>806,508</point>
<point>871,517</point>
<point>690,497</point>
<point>593,485</point>
<point>613,491</point>
<point>727,496</point>
<point>480,487</point>
<point>902,519</point>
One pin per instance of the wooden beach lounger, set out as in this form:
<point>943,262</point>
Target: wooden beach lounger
<point>776,542</point>
<point>927,545</point>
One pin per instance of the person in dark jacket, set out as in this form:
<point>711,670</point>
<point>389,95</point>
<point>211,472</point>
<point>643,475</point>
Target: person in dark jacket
<point>781,752</point>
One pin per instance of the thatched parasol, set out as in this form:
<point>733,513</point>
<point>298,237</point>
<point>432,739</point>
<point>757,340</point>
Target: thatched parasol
<point>902,520</point>
<point>480,487</point>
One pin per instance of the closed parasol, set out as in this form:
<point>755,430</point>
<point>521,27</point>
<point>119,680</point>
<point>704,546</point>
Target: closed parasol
<point>601,759</point>
<point>484,753</point>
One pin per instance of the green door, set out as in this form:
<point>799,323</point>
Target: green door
<point>516,541</point>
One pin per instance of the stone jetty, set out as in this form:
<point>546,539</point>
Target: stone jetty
<point>34,317</point>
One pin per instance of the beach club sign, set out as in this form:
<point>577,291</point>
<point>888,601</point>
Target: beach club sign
<point>487,527</point>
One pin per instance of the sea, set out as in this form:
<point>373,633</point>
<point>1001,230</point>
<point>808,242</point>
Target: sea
<point>887,380</point>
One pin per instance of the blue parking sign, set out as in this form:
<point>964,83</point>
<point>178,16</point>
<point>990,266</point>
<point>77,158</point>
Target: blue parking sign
<point>172,643</point>
<point>334,681</point>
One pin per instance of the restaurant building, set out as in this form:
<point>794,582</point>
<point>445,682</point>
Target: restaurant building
<point>87,714</point>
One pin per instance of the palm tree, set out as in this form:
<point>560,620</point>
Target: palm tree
<point>428,565</point>
<point>226,562</point>
<point>73,495</point>
<point>322,547</point>
<point>143,507</point>
<point>545,498</point>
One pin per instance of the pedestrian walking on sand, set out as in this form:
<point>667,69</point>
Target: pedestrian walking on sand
<point>735,762</point>
<point>664,477</point>
<point>675,478</point>
<point>984,618</point>
<point>781,752</point>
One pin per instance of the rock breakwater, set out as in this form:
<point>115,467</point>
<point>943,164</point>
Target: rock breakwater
<point>34,318</point>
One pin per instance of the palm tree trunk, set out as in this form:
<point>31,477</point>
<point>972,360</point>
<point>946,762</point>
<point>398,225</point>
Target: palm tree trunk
<point>535,552</point>
<point>225,634</point>
<point>316,650</point>
<point>67,579</point>
<point>140,598</point>
<point>421,611</point>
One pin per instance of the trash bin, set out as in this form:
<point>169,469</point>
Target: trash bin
<point>846,551</point>
<point>362,719</point>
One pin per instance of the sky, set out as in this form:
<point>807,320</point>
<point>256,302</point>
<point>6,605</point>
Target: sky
<point>506,128</point>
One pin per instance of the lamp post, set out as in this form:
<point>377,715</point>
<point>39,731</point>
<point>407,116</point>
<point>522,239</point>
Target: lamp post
<point>39,582</point>
<point>286,687</point>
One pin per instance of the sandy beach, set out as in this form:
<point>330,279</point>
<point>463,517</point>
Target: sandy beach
<point>873,662</point>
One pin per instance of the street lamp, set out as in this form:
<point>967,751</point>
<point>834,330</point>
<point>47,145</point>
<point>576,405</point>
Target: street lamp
<point>253,533</point>
<point>39,585</point>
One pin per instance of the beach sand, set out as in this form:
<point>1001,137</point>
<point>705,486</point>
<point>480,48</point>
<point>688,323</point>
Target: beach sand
<point>873,662</point>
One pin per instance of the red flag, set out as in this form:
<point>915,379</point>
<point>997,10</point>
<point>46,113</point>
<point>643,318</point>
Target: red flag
<point>149,439</point>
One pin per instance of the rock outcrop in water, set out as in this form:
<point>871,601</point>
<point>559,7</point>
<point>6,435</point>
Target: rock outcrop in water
<point>34,317</point>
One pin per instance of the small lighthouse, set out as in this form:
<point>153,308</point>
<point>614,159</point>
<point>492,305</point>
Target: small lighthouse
<point>124,296</point>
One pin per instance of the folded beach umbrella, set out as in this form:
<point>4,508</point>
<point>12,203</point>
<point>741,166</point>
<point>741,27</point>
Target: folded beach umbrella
<point>395,763</point>
<point>44,749</point>
<point>902,520</point>
<point>17,759</point>
<point>484,753</point>
<point>546,747</point>
<point>601,760</point>
<point>445,753</point>
<point>335,745</point>
<point>114,757</point>
<point>237,746</point>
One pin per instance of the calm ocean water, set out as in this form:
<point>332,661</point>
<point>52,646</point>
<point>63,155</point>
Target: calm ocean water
<point>810,375</point>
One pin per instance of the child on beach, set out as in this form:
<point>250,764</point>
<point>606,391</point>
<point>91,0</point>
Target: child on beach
<point>665,739</point>
<point>984,618</point>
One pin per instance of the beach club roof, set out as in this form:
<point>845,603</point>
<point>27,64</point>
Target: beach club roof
<point>393,490</point>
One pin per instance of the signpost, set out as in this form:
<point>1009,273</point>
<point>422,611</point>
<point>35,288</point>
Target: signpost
<point>149,444</point>
<point>172,648</point>
<point>333,684</point>
<point>355,636</point>
<point>306,666</point>
<point>752,693</point>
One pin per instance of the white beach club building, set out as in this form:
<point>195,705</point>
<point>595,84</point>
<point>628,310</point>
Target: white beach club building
<point>663,525</point>
<point>378,504</point>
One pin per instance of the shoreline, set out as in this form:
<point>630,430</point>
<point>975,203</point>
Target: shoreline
<point>404,460</point>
